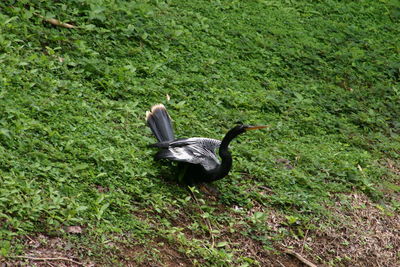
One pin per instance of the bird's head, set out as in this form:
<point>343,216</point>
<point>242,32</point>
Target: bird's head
<point>237,130</point>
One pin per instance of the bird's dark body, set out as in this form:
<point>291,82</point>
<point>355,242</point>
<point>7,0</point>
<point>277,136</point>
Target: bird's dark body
<point>195,174</point>
<point>196,155</point>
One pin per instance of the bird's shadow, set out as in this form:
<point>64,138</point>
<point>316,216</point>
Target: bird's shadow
<point>171,172</point>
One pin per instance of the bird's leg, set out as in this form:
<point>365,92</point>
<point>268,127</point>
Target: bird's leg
<point>208,189</point>
<point>182,173</point>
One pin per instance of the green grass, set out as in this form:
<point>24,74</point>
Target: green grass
<point>73,142</point>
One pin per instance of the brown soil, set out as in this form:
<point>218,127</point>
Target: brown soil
<point>365,235</point>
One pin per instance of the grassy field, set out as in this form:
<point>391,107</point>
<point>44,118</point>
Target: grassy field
<point>78,181</point>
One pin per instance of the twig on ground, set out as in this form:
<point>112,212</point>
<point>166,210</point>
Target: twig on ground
<point>280,263</point>
<point>304,241</point>
<point>47,259</point>
<point>30,239</point>
<point>299,257</point>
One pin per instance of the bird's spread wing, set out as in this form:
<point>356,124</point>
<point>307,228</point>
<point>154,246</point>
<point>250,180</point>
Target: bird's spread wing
<point>192,150</point>
<point>212,144</point>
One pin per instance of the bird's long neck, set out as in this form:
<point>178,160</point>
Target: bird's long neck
<point>226,157</point>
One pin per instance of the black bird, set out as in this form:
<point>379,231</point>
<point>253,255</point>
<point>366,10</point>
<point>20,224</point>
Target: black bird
<point>197,153</point>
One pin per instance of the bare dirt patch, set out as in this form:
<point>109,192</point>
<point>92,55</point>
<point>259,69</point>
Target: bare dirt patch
<point>168,255</point>
<point>47,251</point>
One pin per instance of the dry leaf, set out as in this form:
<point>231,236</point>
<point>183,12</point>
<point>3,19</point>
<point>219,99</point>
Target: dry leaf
<point>56,22</point>
<point>74,230</point>
<point>59,23</point>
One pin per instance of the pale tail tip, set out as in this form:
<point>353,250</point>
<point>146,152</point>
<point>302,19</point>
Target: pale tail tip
<point>153,109</point>
<point>148,113</point>
<point>157,106</point>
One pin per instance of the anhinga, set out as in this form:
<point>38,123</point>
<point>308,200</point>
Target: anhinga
<point>198,153</point>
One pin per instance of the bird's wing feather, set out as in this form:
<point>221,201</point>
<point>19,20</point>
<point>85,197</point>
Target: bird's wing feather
<point>212,144</point>
<point>192,150</point>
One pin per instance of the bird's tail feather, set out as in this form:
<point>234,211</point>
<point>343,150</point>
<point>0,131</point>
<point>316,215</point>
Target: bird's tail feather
<point>160,123</point>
